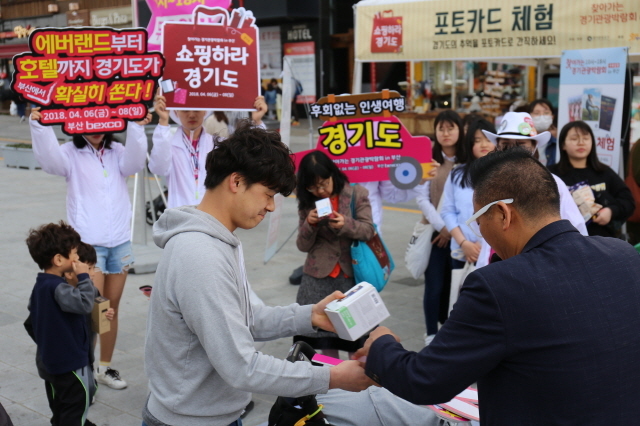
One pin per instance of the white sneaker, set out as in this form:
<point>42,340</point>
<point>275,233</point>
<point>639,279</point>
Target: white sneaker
<point>428,339</point>
<point>110,377</point>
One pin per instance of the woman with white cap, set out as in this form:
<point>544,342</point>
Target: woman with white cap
<point>518,129</point>
<point>181,156</point>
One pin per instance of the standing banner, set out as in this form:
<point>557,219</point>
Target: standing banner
<point>171,10</point>
<point>212,65</point>
<point>367,142</point>
<point>90,80</point>
<point>302,59</point>
<point>592,90</point>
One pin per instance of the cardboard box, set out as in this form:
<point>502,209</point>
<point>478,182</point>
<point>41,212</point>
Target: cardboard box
<point>99,322</point>
<point>360,311</point>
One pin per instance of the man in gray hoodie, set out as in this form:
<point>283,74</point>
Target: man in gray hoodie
<point>200,356</point>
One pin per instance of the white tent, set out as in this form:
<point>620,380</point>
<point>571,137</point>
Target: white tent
<point>517,32</point>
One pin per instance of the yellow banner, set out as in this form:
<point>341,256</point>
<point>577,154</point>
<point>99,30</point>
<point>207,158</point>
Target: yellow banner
<point>482,29</point>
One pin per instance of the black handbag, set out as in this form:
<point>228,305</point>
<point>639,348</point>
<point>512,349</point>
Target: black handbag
<point>301,411</point>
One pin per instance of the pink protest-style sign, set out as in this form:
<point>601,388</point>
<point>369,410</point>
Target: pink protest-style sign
<point>375,149</point>
<point>214,59</point>
<point>88,79</point>
<point>172,10</point>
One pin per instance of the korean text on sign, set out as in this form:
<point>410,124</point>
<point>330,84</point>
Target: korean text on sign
<point>96,69</point>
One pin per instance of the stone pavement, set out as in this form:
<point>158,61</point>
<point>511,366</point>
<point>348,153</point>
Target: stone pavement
<point>30,198</point>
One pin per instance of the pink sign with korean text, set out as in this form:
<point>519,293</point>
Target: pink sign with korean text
<point>369,144</point>
<point>212,63</point>
<point>174,10</point>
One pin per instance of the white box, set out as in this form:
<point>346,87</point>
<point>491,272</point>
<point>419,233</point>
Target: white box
<point>324,207</point>
<point>360,311</point>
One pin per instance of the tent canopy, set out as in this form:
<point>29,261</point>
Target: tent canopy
<point>517,32</point>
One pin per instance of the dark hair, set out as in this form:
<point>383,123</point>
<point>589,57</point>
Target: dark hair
<point>221,117</point>
<point>461,174</point>
<point>470,118</point>
<point>87,254</point>
<point>80,142</point>
<point>544,102</point>
<point>514,173</point>
<point>51,239</point>
<point>315,166</point>
<point>258,155</point>
<point>451,117</point>
<point>564,164</point>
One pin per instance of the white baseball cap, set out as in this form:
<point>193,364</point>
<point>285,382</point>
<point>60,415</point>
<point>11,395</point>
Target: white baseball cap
<point>517,125</point>
<point>173,113</point>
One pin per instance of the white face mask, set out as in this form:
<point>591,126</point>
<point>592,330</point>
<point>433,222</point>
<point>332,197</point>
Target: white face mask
<point>542,122</point>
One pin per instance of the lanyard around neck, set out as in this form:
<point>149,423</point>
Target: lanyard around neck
<point>194,154</point>
<point>99,153</point>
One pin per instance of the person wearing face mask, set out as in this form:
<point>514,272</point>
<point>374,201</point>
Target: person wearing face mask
<point>181,157</point>
<point>517,130</point>
<point>543,116</point>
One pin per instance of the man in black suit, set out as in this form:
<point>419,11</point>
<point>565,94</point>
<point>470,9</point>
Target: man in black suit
<point>551,334</point>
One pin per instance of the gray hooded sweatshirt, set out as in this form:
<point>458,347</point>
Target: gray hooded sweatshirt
<point>200,356</point>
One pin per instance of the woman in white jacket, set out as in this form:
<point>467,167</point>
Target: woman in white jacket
<point>181,156</point>
<point>98,207</point>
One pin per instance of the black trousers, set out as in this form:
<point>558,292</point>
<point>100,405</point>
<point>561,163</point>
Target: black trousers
<point>69,396</point>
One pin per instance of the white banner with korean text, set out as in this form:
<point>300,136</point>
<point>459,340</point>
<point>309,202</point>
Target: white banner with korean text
<point>592,90</point>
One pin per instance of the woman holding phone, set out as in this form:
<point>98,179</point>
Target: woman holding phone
<point>327,239</point>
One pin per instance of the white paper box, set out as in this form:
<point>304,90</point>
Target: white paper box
<point>324,207</point>
<point>360,311</point>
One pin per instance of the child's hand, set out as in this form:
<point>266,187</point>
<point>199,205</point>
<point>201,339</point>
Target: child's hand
<point>80,268</point>
<point>110,314</point>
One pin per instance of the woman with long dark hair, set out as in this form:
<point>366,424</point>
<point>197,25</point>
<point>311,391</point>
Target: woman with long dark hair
<point>447,150</point>
<point>327,240</point>
<point>98,208</point>
<point>579,163</point>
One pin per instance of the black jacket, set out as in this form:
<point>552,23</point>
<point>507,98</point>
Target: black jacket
<point>609,190</point>
<point>550,335</point>
<point>59,320</point>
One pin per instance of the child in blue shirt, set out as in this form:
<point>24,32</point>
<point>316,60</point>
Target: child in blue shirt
<point>58,313</point>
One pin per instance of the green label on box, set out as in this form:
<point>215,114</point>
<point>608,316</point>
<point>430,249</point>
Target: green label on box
<point>346,317</point>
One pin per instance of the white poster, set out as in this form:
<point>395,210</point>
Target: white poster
<point>592,90</point>
<point>302,57</point>
<point>270,53</point>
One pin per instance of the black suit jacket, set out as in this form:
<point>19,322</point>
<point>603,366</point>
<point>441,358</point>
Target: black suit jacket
<point>552,336</point>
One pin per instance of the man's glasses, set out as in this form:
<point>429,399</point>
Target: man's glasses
<point>472,222</point>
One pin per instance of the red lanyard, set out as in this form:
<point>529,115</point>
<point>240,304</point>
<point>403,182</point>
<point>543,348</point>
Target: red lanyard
<point>194,151</point>
<point>99,153</point>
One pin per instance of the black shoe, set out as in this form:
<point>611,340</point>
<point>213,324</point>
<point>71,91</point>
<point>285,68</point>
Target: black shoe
<point>89,423</point>
<point>296,276</point>
<point>247,409</point>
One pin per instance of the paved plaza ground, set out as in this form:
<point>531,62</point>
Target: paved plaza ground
<point>29,198</point>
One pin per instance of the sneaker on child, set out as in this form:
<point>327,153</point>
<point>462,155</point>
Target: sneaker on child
<point>110,377</point>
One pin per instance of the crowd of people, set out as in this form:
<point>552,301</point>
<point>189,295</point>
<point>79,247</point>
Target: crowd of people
<point>502,222</point>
